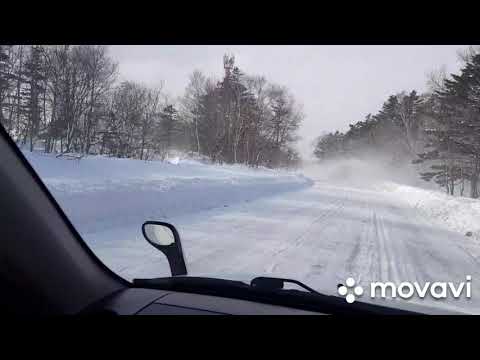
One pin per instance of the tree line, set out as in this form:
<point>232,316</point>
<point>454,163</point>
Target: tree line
<point>69,99</point>
<point>395,130</point>
<point>438,130</point>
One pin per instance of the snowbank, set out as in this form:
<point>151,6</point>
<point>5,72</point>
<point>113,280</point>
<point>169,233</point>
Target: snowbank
<point>457,213</point>
<point>99,193</point>
<point>404,186</point>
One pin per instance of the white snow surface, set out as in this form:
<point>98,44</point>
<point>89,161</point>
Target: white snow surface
<point>100,193</point>
<point>235,222</point>
<point>460,214</point>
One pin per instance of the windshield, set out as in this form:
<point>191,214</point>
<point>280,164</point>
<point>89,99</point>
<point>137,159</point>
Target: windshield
<point>353,169</point>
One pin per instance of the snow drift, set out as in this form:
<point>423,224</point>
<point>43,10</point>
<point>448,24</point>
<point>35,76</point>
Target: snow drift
<point>459,214</point>
<point>99,193</point>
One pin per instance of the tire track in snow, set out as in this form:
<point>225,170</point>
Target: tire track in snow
<point>383,260</point>
<point>361,257</point>
<point>318,220</point>
<point>375,269</point>
<point>352,258</point>
<point>324,216</point>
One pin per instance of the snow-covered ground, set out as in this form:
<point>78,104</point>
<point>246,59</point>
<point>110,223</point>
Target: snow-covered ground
<point>100,193</point>
<point>238,223</point>
<point>460,214</point>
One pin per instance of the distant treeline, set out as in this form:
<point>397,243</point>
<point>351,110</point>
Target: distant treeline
<point>68,99</point>
<point>438,130</point>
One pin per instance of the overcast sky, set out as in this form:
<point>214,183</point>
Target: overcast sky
<point>337,85</point>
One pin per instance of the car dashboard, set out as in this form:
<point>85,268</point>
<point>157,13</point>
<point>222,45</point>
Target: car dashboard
<point>139,301</point>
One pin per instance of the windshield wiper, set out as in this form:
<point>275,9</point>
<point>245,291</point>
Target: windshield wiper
<point>266,290</point>
<point>271,283</point>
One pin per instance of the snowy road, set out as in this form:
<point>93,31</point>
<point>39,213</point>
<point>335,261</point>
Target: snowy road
<point>239,223</point>
<point>320,235</point>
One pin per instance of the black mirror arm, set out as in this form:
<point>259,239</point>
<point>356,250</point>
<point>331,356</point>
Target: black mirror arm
<point>177,263</point>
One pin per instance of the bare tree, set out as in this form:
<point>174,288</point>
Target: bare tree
<point>436,79</point>
<point>190,103</point>
<point>100,73</point>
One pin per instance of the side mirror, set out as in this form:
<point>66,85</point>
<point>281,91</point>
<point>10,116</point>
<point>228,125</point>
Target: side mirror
<point>165,238</point>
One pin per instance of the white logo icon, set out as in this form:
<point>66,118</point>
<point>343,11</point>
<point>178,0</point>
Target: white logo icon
<point>350,290</point>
